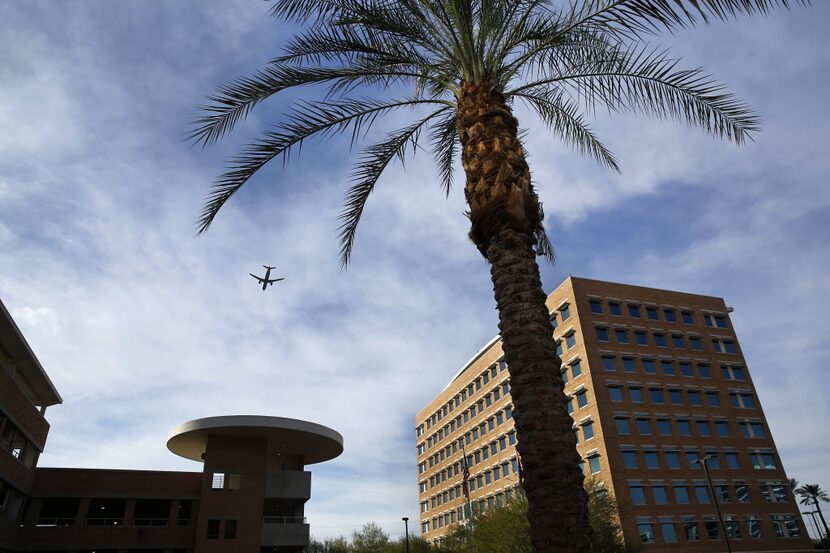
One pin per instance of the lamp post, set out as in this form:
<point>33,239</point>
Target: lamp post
<point>824,540</point>
<point>702,461</point>
<point>406,527</point>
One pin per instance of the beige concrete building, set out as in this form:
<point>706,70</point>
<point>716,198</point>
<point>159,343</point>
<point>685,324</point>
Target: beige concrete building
<point>657,382</point>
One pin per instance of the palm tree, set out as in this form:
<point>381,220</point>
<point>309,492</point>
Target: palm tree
<point>811,494</point>
<point>460,66</point>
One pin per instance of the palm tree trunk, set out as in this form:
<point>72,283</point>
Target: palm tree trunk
<point>553,482</point>
<point>506,220</point>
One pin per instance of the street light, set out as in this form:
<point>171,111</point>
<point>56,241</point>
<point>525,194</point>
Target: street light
<point>406,526</point>
<point>824,540</point>
<point>702,461</point>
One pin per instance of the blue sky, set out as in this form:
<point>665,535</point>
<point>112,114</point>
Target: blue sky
<point>142,326</point>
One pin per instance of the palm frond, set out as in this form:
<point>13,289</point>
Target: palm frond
<point>444,141</point>
<point>318,120</point>
<point>562,117</point>
<point>303,10</point>
<point>234,101</point>
<point>633,18</point>
<point>650,82</point>
<point>373,162</point>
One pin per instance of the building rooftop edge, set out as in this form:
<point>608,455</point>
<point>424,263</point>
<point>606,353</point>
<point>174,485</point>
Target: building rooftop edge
<point>572,278</point>
<point>15,343</point>
<point>473,359</point>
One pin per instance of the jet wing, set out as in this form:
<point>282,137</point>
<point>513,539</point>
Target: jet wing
<point>273,280</point>
<point>256,277</point>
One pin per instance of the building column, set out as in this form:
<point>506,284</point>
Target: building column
<point>174,512</point>
<point>129,512</point>
<point>35,503</point>
<point>83,512</point>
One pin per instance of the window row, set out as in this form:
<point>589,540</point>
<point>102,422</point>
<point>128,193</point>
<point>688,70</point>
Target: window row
<point>635,311</point>
<point>669,367</point>
<point>748,526</point>
<point>580,397</point>
<point>570,342</point>
<point>467,392</point>
<point>69,511</point>
<point>475,481</point>
<point>661,339</point>
<point>461,512</point>
<point>679,492</point>
<point>456,445</point>
<point>652,313</point>
<point>225,481</point>
<point>673,459</point>
<point>682,427</point>
<point>498,392</point>
<point>472,435</point>
<point>658,395</point>
<point>214,525</point>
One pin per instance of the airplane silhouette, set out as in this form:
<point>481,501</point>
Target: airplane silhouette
<point>265,281</point>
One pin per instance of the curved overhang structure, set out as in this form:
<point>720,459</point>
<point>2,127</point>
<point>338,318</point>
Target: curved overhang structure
<point>315,443</point>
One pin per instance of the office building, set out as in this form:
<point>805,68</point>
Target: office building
<point>656,382</point>
<point>249,497</point>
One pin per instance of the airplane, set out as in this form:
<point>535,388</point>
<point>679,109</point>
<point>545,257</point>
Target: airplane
<point>265,281</point>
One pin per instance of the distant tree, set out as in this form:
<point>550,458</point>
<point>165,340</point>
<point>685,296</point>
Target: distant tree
<point>506,530</point>
<point>502,530</point>
<point>812,494</point>
<point>369,539</point>
<point>455,540</point>
<point>793,486</point>
<point>330,545</point>
<point>604,513</point>
<point>416,545</point>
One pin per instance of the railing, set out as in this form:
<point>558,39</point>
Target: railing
<point>115,521</point>
<point>104,521</point>
<point>46,522</point>
<point>151,521</point>
<point>284,520</point>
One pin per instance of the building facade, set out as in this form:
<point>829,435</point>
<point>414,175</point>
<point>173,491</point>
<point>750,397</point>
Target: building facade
<point>249,497</point>
<point>657,386</point>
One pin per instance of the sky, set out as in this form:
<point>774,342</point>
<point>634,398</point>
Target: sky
<point>142,325</point>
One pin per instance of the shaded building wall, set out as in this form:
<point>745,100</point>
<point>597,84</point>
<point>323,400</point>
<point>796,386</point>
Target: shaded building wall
<point>23,432</point>
<point>236,503</point>
<point>85,529</point>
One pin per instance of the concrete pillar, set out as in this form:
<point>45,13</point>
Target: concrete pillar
<point>173,516</point>
<point>129,512</point>
<point>83,512</point>
<point>35,503</point>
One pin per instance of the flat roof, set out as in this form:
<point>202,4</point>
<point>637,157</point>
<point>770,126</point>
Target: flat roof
<point>314,442</point>
<point>14,348</point>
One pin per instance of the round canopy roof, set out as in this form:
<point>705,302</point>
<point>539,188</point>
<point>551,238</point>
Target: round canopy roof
<point>314,442</point>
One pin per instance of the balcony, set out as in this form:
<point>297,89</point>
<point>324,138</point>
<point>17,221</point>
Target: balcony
<point>285,531</point>
<point>288,485</point>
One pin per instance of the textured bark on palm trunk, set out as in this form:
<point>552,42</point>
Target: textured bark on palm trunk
<point>506,218</point>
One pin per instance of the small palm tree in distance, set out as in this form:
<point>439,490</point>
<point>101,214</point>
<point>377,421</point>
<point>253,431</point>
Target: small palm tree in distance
<point>812,494</point>
<point>460,67</point>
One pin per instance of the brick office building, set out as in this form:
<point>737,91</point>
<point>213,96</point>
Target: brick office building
<point>656,381</point>
<point>249,497</point>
